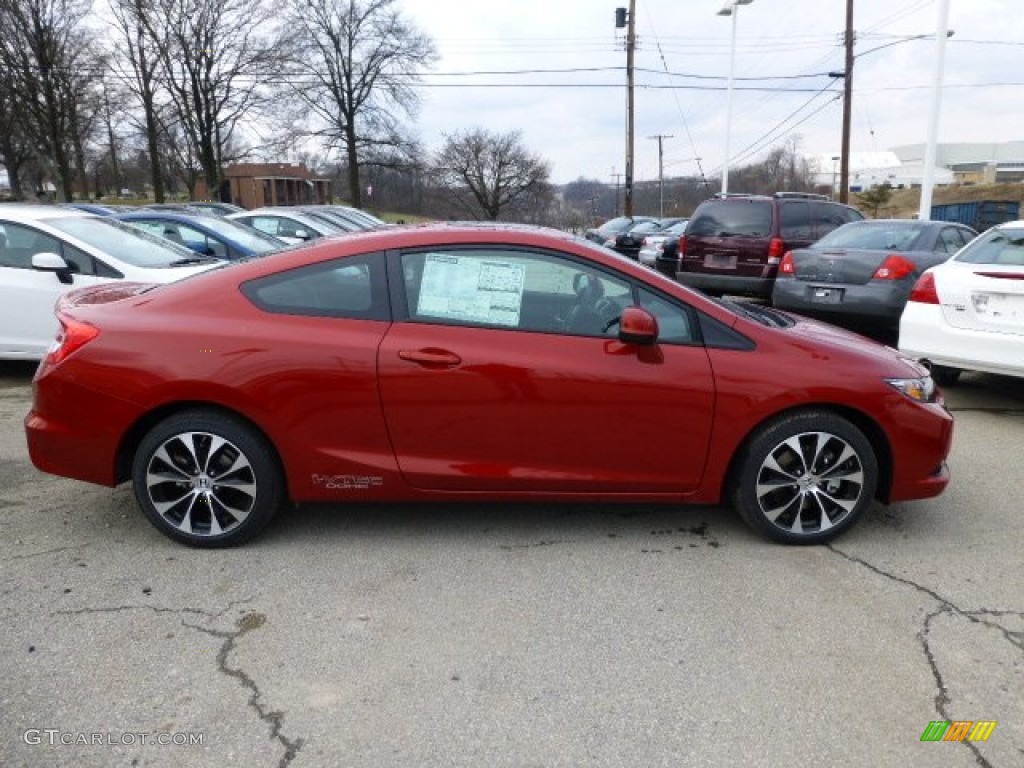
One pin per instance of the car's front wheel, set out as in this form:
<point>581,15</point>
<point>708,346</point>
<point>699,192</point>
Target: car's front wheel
<point>207,479</point>
<point>805,478</point>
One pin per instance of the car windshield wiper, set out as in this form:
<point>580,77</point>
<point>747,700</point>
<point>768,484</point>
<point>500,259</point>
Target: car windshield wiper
<point>191,260</point>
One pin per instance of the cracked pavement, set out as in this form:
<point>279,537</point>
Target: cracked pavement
<point>513,635</point>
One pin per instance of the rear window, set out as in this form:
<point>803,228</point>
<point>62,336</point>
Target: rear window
<point>721,218</point>
<point>997,246</point>
<point>875,235</point>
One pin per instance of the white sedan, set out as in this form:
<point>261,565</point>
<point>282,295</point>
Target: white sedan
<point>968,313</point>
<point>46,251</point>
<point>291,224</point>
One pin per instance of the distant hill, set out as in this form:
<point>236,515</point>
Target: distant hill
<point>906,202</point>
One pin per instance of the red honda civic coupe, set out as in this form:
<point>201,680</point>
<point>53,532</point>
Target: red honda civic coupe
<point>473,362</point>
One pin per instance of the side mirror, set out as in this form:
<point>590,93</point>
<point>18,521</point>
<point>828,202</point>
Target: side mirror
<point>638,326</point>
<point>302,234</point>
<point>52,262</point>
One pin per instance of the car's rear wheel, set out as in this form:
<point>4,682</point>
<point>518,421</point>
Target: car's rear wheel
<point>207,479</point>
<point>805,478</point>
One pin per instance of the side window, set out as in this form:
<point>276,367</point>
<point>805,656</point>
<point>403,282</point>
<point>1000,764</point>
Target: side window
<point>291,228</point>
<point>795,221</point>
<point>80,262</point>
<point>826,216</point>
<point>511,289</point>
<point>153,227</point>
<point>19,244</point>
<point>850,214</point>
<point>353,288</point>
<point>201,242</point>
<point>675,324</point>
<point>966,235</point>
<point>266,224</point>
<point>948,241</point>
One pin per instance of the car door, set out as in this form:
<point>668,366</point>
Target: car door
<point>27,296</point>
<point>503,372</point>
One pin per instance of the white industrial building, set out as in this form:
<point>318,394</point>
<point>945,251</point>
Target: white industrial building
<point>956,163</point>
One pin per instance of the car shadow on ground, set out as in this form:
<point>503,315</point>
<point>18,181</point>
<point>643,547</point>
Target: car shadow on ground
<point>17,373</point>
<point>511,526</point>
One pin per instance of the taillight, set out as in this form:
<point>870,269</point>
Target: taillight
<point>924,291</point>
<point>73,335</point>
<point>788,266</point>
<point>776,248</point>
<point>682,245</point>
<point>894,267</point>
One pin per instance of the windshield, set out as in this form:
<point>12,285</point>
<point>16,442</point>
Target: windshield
<point>1004,245</point>
<point>723,218</point>
<point>644,227</point>
<point>616,225</point>
<point>124,242</point>
<point>247,237</point>
<point>363,216</point>
<point>330,223</point>
<point>874,235</point>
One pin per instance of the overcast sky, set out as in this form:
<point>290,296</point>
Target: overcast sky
<point>569,100</point>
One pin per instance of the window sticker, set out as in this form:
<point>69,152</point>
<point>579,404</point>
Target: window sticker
<point>471,289</point>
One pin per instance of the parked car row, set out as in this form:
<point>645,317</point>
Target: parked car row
<point>956,300</point>
<point>47,250</point>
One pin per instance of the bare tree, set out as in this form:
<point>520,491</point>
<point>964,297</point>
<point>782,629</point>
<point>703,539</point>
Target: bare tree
<point>216,58</point>
<point>357,68</point>
<point>136,61</point>
<point>42,52</point>
<point>16,148</point>
<point>486,173</point>
<point>783,168</point>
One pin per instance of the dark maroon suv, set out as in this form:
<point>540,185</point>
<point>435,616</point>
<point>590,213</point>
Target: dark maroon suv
<point>733,244</point>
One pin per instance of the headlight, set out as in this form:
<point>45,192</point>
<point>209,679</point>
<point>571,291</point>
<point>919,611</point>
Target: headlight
<point>922,389</point>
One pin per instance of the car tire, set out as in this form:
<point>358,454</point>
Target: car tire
<point>945,376</point>
<point>207,479</point>
<point>804,478</point>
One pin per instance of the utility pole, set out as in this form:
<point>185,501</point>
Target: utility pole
<point>844,155</point>
<point>630,47</point>
<point>616,177</point>
<point>661,171</point>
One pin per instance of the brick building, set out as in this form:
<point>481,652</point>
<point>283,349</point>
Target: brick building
<point>253,185</point>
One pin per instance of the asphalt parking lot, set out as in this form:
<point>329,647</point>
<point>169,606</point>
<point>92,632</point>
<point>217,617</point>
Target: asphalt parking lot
<point>508,635</point>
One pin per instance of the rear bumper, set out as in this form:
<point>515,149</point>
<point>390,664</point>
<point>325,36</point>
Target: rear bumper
<point>73,431</point>
<point>727,284</point>
<point>926,335</point>
<point>879,302</point>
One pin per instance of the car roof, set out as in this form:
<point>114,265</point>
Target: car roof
<point>168,215</point>
<point>274,209</point>
<point>30,212</point>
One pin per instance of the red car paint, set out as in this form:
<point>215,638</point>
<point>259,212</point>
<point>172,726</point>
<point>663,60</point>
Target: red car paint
<point>388,409</point>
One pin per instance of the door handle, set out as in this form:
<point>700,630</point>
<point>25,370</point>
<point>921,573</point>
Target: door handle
<point>431,356</point>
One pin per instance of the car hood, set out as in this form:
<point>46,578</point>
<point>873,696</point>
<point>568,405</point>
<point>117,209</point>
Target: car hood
<point>810,334</point>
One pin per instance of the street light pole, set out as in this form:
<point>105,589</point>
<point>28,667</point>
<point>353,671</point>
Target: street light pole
<point>731,8</point>
<point>941,33</point>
